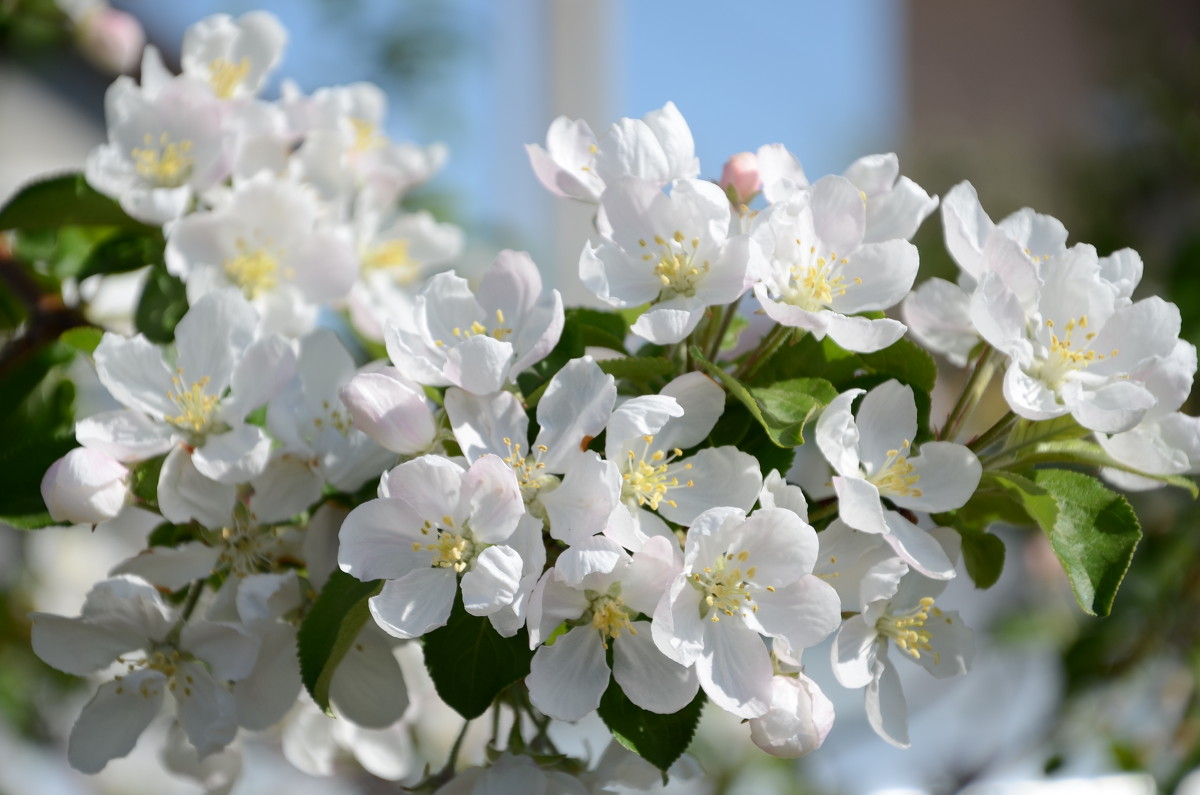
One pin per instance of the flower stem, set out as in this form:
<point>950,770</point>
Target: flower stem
<point>994,433</point>
<point>765,350</point>
<point>971,393</point>
<point>714,347</point>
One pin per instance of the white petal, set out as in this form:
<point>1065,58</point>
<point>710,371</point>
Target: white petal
<point>859,505</point>
<point>837,434</point>
<point>735,669</point>
<point>184,494</point>
<point>134,372</point>
<point>580,506</point>
<point>703,403</point>
<point>669,322</point>
<point>887,711</point>
<point>112,721</point>
<point>861,334</point>
<point>853,653</point>
<point>288,485</point>
<point>481,423</point>
<point>78,647</point>
<point>493,580</point>
<point>677,628</point>
<point>207,710</point>
<point>493,498</point>
<point>887,422</point>
<point>479,364</point>
<point>917,547</point>
<point>1029,397</point>
<point>949,474</point>
<point>171,567</point>
<point>718,476</point>
<point>650,679</point>
<point>416,603</point>
<point>125,435</point>
<point>270,690</point>
<point>377,541</point>
<point>799,719</point>
<point>566,680</point>
<point>235,456</point>
<point>574,409</point>
<point>367,687</point>
<point>390,411</point>
<point>803,613</point>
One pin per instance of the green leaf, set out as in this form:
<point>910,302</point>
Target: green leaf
<point>31,521</point>
<point>63,201</point>
<point>639,369</point>
<point>329,630</point>
<point>905,361</point>
<point>1093,530</point>
<point>58,253</point>
<point>782,408</point>
<point>162,305</point>
<point>82,338</point>
<point>1078,451</point>
<point>983,554</point>
<point>470,663</point>
<point>143,481</point>
<point>599,329</point>
<point>122,252</point>
<point>659,739</point>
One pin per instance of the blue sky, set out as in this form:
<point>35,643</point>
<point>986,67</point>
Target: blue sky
<point>823,78</point>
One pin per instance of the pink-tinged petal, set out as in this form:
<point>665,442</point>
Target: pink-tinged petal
<point>574,409</point>
<point>207,710</point>
<point>1029,397</point>
<point>85,486</point>
<point>229,649</point>
<point>861,334</point>
<point>430,484</point>
<point>585,186</point>
<point>917,547</point>
<point>512,284</point>
<point>78,647</point>
<point>803,613</point>
<point>781,172</point>
<point>798,721</point>
<point>125,435</point>
<point>493,499</point>
<point>717,476</point>
<point>859,505</point>
<point>185,495</point>
<point>492,582</point>
<point>887,711</point>
<point>839,214</point>
<point>171,567</point>
<point>368,688</point>
<point>264,696</point>
<point>235,456</point>
<point>854,653</point>
<point>877,276</point>
<point>651,680</point>
<point>837,434</point>
<point>114,719</point>
<point>735,669</point>
<point>566,680</point>
<point>948,475</point>
<point>677,628</point>
<point>669,321</point>
<point>288,485</point>
<point>377,541</point>
<point>479,364</point>
<point>581,505</point>
<point>887,423</point>
<point>416,603</point>
<point>967,227</point>
<point>390,411</point>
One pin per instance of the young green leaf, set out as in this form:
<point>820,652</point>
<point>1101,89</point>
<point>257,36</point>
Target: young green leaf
<point>162,305</point>
<point>63,201</point>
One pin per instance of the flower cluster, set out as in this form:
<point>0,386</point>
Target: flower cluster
<point>603,499</point>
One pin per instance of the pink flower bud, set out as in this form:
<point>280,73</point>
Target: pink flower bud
<point>112,39</point>
<point>85,486</point>
<point>391,410</point>
<point>740,178</point>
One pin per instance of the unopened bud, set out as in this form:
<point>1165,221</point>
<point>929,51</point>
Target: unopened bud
<point>740,178</point>
<point>111,39</point>
<point>391,410</point>
<point>85,486</point>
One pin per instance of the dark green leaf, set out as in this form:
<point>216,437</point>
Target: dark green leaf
<point>31,521</point>
<point>330,628</point>
<point>58,253</point>
<point>599,329</point>
<point>122,252</point>
<point>143,481</point>
<point>659,739</point>
<point>470,663</point>
<point>63,201</point>
<point>82,338</point>
<point>983,553</point>
<point>1093,530</point>
<point>639,369</point>
<point>162,305</point>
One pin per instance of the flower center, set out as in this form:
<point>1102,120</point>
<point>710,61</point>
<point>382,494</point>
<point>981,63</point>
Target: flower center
<point>908,629</point>
<point>167,164</point>
<point>676,266</point>
<point>896,477</point>
<point>366,137</point>
<point>647,478</point>
<point>531,474</point>
<point>196,406</point>
<point>392,255</point>
<point>1064,357</point>
<point>332,418</point>
<point>500,331</point>
<point>452,548</point>
<point>814,283</point>
<point>165,662</point>
<point>726,586</point>
<point>255,270</point>
<point>225,76</point>
<point>610,617</point>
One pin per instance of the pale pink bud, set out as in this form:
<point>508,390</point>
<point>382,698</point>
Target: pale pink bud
<point>85,486</point>
<point>112,39</point>
<point>389,409</point>
<point>740,178</point>
<point>798,721</point>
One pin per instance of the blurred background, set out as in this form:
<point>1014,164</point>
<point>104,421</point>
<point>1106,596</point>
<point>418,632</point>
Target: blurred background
<point>1087,110</point>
